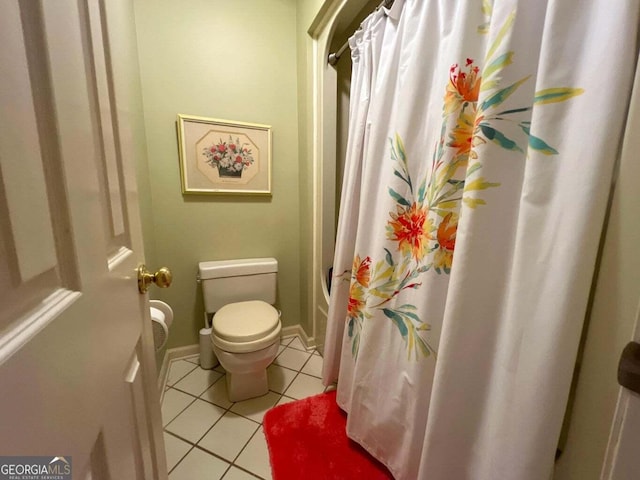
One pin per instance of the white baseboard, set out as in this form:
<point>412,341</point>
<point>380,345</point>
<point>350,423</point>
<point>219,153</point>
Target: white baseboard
<point>173,354</point>
<point>309,342</point>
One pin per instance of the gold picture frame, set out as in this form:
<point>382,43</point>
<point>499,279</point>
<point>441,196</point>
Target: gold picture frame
<point>223,156</point>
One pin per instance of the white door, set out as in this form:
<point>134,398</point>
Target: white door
<point>77,376</point>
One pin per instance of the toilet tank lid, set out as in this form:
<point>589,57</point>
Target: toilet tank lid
<point>234,268</point>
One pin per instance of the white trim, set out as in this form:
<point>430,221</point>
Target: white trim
<point>325,17</point>
<point>170,355</point>
<point>162,375</point>
<point>321,32</point>
<point>614,437</point>
<point>297,330</point>
<point>27,327</point>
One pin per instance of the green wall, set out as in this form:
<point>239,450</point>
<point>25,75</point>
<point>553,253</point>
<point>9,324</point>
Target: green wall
<point>222,59</point>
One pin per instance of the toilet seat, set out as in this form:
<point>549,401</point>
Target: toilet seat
<point>245,326</point>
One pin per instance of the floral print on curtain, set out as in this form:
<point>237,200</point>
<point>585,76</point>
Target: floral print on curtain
<point>423,226</point>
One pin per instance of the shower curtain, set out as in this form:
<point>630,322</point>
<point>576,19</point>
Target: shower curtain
<point>483,137</point>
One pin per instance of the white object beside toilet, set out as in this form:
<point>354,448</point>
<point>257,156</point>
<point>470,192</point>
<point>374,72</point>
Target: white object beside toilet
<point>161,318</point>
<point>245,330</point>
<point>207,358</point>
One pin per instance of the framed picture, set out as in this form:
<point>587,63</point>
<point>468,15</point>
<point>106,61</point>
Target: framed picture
<point>224,157</point>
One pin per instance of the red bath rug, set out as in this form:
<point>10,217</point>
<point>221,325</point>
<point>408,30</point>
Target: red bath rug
<point>307,440</point>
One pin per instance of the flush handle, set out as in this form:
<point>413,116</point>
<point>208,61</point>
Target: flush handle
<point>629,367</point>
<point>162,278</point>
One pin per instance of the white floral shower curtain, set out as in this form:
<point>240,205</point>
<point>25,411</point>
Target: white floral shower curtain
<point>491,129</point>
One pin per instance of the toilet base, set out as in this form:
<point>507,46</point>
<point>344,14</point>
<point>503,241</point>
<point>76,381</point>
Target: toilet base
<point>246,372</point>
<point>243,386</point>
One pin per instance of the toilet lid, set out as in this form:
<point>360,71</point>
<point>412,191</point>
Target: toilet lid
<point>245,321</point>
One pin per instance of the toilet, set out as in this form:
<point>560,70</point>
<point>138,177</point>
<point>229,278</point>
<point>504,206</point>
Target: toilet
<point>245,329</point>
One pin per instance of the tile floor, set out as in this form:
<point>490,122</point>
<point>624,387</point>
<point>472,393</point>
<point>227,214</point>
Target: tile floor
<point>207,436</point>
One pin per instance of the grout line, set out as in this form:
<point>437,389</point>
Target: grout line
<point>183,457</point>
<point>169,371</point>
<point>221,379</point>
<point>260,427</point>
<point>254,475</point>
<point>226,471</point>
<point>202,393</point>
<point>239,451</point>
<point>289,386</point>
<point>202,449</point>
<point>195,445</point>
<point>305,363</point>
<point>303,349</point>
<point>215,423</point>
<point>186,453</point>
<point>295,350</point>
<point>245,446</point>
<point>180,412</point>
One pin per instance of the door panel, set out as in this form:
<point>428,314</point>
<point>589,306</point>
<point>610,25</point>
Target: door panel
<point>110,157</point>
<point>30,262</point>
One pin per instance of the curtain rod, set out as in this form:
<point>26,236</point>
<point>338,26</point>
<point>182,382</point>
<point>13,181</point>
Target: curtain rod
<point>334,57</point>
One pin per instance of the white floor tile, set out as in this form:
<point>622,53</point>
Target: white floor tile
<point>313,366</point>
<point>217,393</point>
<point>281,348</point>
<point>280,378</point>
<point>255,456</point>
<point>235,473</point>
<point>199,465</point>
<point>292,358</point>
<point>178,369</point>
<point>286,341</point>
<point>255,408</point>
<point>304,386</point>
<point>194,422</point>
<point>195,359</point>
<point>297,344</point>
<point>229,436</point>
<point>197,381</point>
<point>173,403</point>
<point>175,449</point>
<point>220,369</point>
<point>284,400</point>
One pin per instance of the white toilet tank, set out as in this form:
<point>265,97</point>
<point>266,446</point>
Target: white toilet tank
<point>230,281</point>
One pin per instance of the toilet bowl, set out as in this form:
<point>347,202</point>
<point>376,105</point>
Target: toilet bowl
<point>245,328</point>
<point>245,338</point>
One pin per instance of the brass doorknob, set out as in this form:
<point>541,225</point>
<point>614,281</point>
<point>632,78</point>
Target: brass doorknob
<point>162,278</point>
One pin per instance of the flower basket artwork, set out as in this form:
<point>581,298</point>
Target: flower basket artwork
<point>224,157</point>
<point>230,157</point>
